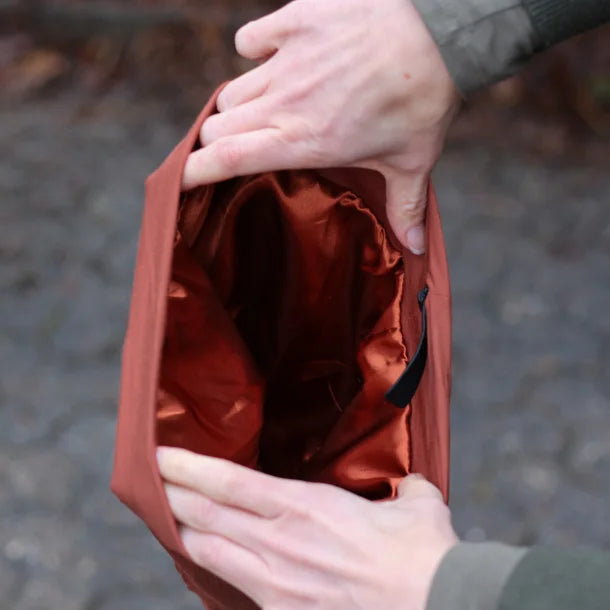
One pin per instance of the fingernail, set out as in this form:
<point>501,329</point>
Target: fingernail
<point>415,240</point>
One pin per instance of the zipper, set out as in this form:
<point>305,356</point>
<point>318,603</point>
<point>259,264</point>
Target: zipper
<point>402,392</point>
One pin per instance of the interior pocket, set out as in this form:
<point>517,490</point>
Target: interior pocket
<point>283,333</point>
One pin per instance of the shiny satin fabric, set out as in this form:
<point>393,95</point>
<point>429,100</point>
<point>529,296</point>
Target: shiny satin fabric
<point>269,316</point>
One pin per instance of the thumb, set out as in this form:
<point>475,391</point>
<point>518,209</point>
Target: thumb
<point>416,486</point>
<point>406,199</point>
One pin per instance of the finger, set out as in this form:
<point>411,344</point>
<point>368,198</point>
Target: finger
<point>230,561</point>
<point>226,482</point>
<point>241,155</point>
<point>416,486</point>
<point>263,37</point>
<point>204,515</point>
<point>406,200</point>
<point>252,116</point>
<point>248,86</point>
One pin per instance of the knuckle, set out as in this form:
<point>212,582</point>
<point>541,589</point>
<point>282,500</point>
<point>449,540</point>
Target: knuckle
<point>206,133</point>
<point>223,100</point>
<point>211,552</point>
<point>228,481</point>
<point>205,513</point>
<point>284,522</point>
<point>296,129</point>
<point>298,13</point>
<point>326,127</point>
<point>413,205</point>
<point>216,550</point>
<point>421,491</point>
<point>299,133</point>
<point>181,467</point>
<point>444,512</point>
<point>230,155</point>
<point>423,487</point>
<point>432,491</point>
<point>302,512</point>
<point>432,503</point>
<point>299,92</point>
<point>316,155</point>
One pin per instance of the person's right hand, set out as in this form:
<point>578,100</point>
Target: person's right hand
<point>343,83</point>
<point>298,545</point>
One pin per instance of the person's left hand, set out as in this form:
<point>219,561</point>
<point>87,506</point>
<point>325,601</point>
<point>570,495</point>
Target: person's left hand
<point>347,83</point>
<point>292,544</point>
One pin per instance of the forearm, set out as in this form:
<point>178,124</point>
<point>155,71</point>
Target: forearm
<point>498,577</point>
<point>483,41</point>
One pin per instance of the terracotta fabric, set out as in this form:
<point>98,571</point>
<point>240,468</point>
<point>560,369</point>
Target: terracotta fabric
<point>269,315</point>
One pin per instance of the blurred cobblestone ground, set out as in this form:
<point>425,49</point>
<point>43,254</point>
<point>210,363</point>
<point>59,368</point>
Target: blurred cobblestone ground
<point>529,246</point>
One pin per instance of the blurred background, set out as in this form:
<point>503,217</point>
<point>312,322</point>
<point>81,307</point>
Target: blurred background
<point>93,95</point>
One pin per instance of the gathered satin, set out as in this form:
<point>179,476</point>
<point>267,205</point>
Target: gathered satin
<point>283,333</point>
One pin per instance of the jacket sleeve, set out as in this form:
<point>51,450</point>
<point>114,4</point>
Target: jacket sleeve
<point>473,576</point>
<point>556,20</point>
<point>547,579</point>
<point>484,41</point>
<point>493,576</point>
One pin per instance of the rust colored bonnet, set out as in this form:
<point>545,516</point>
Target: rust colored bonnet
<point>270,316</point>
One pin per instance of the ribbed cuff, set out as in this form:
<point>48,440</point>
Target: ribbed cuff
<point>472,576</point>
<point>556,20</point>
<point>481,41</point>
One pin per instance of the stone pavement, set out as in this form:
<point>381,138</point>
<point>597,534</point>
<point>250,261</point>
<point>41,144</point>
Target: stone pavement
<point>529,247</point>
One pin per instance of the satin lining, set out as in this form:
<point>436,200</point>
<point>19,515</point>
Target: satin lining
<point>283,333</point>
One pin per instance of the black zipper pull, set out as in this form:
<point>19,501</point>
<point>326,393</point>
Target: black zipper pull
<point>421,296</point>
<point>402,392</point>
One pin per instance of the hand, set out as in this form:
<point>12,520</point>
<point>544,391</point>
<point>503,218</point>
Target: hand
<point>297,545</point>
<point>342,83</point>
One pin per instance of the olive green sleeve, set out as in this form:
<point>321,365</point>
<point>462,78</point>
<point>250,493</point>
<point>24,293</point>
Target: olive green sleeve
<point>483,41</point>
<point>492,576</point>
<point>550,579</point>
<point>556,20</point>
<point>472,576</point>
